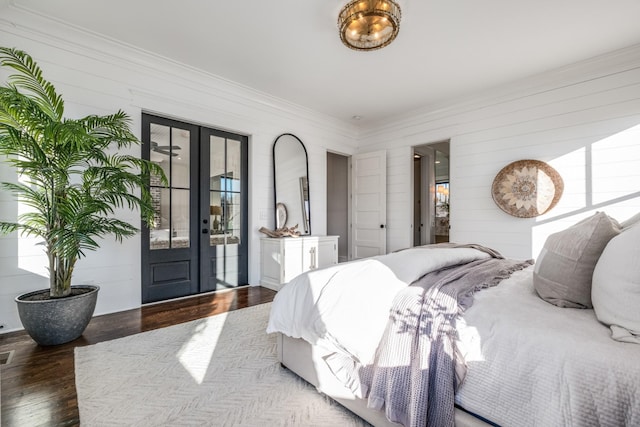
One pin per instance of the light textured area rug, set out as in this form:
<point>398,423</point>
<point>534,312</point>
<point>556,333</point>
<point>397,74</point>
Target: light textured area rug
<point>218,371</point>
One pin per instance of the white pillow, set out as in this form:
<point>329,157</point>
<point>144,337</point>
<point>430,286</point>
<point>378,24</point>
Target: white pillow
<point>615,291</point>
<point>631,221</point>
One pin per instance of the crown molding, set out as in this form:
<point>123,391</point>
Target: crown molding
<point>604,65</point>
<point>26,23</point>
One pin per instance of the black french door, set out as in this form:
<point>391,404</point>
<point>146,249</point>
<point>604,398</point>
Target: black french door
<point>198,240</point>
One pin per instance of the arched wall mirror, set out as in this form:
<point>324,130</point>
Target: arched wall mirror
<point>291,183</point>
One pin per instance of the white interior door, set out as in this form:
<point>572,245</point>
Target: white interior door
<point>369,204</point>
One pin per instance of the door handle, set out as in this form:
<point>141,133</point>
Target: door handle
<point>312,253</point>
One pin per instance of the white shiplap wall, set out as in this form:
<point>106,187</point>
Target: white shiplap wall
<point>98,76</point>
<point>581,119</point>
<point>584,120</point>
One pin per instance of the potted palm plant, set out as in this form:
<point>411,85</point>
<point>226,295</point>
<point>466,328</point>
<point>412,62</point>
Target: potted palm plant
<point>73,178</point>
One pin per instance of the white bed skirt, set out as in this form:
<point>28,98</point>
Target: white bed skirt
<point>306,361</point>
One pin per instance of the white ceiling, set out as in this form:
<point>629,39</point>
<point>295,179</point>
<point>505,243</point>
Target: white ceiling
<point>290,48</point>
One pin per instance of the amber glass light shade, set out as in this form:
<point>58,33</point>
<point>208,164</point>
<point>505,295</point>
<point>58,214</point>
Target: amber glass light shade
<point>369,24</point>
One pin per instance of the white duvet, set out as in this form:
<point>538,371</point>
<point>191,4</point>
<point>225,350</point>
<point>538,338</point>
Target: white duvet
<point>347,305</point>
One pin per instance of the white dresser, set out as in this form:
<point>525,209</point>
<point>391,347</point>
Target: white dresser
<point>283,259</point>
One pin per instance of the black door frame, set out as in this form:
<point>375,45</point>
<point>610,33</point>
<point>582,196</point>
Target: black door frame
<point>177,272</point>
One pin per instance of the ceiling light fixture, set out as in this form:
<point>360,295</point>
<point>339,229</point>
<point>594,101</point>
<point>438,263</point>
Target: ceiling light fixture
<point>369,24</point>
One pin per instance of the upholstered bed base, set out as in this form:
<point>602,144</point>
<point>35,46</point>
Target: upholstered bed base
<point>306,361</point>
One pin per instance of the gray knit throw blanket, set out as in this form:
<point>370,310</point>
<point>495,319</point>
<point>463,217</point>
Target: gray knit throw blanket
<point>417,368</point>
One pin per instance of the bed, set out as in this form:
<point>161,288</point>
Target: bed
<point>524,361</point>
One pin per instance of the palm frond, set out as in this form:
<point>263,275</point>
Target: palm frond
<point>24,229</point>
<point>8,227</point>
<point>29,77</point>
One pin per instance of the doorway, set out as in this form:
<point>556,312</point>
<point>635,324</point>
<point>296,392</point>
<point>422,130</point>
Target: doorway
<point>356,203</point>
<point>431,208</point>
<point>197,242</point>
<point>338,202</point>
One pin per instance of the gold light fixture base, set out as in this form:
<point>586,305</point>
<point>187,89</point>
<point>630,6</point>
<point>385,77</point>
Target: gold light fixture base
<point>369,24</point>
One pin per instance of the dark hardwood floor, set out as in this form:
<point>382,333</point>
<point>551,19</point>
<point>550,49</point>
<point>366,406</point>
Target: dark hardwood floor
<point>38,386</point>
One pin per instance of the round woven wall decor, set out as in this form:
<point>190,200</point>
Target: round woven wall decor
<point>527,188</point>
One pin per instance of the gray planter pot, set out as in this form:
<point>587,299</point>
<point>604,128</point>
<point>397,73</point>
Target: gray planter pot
<point>56,321</point>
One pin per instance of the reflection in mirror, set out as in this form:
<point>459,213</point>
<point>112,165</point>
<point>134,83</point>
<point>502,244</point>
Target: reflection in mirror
<point>304,198</point>
<point>281,215</point>
<point>291,181</point>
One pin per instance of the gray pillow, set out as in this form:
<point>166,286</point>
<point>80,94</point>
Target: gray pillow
<point>616,286</point>
<point>564,269</point>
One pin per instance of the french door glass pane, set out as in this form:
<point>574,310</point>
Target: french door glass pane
<point>172,230</point>
<point>234,164</point>
<point>227,268</point>
<point>233,217</point>
<point>160,234</point>
<point>160,146</point>
<point>215,210</point>
<point>216,161</point>
<point>170,150</point>
<point>179,218</point>
<point>225,161</point>
<point>180,158</point>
